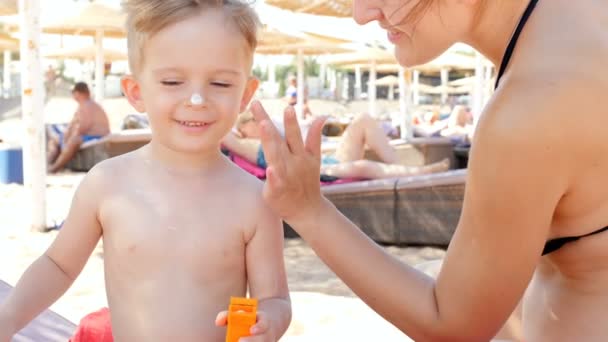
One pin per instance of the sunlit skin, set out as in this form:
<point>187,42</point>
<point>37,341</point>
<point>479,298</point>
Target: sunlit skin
<point>183,228</point>
<point>536,172</point>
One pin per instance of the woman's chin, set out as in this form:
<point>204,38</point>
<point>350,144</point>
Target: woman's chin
<point>409,58</point>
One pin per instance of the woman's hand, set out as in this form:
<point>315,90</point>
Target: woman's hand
<point>292,186</point>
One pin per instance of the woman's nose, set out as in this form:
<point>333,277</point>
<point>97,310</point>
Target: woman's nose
<point>365,11</point>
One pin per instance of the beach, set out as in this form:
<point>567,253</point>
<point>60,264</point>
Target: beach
<point>324,308</point>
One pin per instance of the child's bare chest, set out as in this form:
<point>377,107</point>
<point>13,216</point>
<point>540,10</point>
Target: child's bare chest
<point>172,232</point>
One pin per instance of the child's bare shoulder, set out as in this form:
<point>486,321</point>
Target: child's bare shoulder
<point>248,187</point>
<point>109,173</point>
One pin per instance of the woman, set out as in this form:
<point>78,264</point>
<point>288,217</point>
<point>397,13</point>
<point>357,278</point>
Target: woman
<point>347,161</point>
<point>536,174</point>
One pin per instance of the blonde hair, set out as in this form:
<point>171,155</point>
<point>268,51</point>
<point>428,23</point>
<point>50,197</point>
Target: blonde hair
<point>145,18</point>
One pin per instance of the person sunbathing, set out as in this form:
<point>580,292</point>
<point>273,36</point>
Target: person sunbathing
<point>90,122</point>
<point>346,161</point>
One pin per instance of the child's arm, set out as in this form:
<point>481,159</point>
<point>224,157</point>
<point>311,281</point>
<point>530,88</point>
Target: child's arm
<point>267,278</point>
<point>47,278</point>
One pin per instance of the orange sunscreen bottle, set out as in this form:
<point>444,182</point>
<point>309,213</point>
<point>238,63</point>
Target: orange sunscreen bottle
<point>241,317</point>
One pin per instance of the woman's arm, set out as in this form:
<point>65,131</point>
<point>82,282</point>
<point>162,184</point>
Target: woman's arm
<point>516,178</point>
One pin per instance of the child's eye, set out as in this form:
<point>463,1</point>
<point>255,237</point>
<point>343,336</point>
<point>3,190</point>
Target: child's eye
<point>171,83</point>
<point>221,84</point>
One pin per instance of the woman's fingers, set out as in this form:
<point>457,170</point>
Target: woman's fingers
<point>313,138</point>
<point>293,135</point>
<point>275,149</point>
<point>258,111</point>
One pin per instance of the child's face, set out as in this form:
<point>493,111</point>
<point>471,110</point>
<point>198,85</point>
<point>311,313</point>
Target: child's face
<point>201,55</point>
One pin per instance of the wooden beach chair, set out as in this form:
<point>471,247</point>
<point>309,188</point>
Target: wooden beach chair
<point>112,145</point>
<point>419,210</point>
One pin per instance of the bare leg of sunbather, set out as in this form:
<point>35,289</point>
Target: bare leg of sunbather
<point>364,131</point>
<point>69,150</point>
<point>243,147</point>
<point>52,150</point>
<point>367,169</point>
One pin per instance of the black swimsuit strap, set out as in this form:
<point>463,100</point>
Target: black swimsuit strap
<point>555,244</point>
<point>509,51</point>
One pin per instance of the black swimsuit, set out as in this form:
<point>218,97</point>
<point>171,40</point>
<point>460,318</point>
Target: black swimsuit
<point>554,244</point>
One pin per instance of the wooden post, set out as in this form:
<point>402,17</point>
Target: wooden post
<point>478,88</point>
<point>7,75</point>
<point>300,87</point>
<point>32,104</point>
<point>99,66</point>
<point>405,103</point>
<point>416,88</point>
<point>371,89</point>
<point>358,82</point>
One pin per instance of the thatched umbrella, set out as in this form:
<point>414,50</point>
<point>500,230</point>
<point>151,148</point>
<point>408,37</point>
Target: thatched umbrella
<point>8,7</point>
<point>333,8</point>
<point>87,53</point>
<point>94,20</point>
<point>299,45</point>
<point>389,81</point>
<point>369,56</point>
<point>8,43</point>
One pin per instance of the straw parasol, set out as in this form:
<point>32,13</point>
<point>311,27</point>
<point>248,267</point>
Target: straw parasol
<point>92,18</point>
<point>333,8</point>
<point>362,56</point>
<point>371,56</point>
<point>390,80</point>
<point>87,53</point>
<point>95,20</point>
<point>8,7</point>
<point>8,43</point>
<point>465,81</point>
<point>449,60</point>
<point>298,44</point>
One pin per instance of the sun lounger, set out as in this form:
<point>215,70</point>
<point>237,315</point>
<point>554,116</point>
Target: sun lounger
<point>47,327</point>
<point>112,145</point>
<point>417,210</point>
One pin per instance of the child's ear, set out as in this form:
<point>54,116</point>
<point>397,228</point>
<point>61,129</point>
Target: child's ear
<point>130,87</point>
<point>250,89</point>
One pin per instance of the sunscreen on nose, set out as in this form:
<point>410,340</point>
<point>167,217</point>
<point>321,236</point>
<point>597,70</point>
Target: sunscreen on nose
<point>196,99</point>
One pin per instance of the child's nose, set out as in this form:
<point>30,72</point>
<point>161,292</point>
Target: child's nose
<point>196,99</point>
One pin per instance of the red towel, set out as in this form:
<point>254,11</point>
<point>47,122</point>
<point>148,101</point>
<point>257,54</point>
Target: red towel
<point>94,327</point>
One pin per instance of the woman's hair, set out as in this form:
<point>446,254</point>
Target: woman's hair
<point>145,18</point>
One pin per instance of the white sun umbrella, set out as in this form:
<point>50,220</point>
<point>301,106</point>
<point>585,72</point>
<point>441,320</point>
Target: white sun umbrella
<point>301,44</point>
<point>333,8</point>
<point>450,60</point>
<point>32,102</point>
<point>95,20</point>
